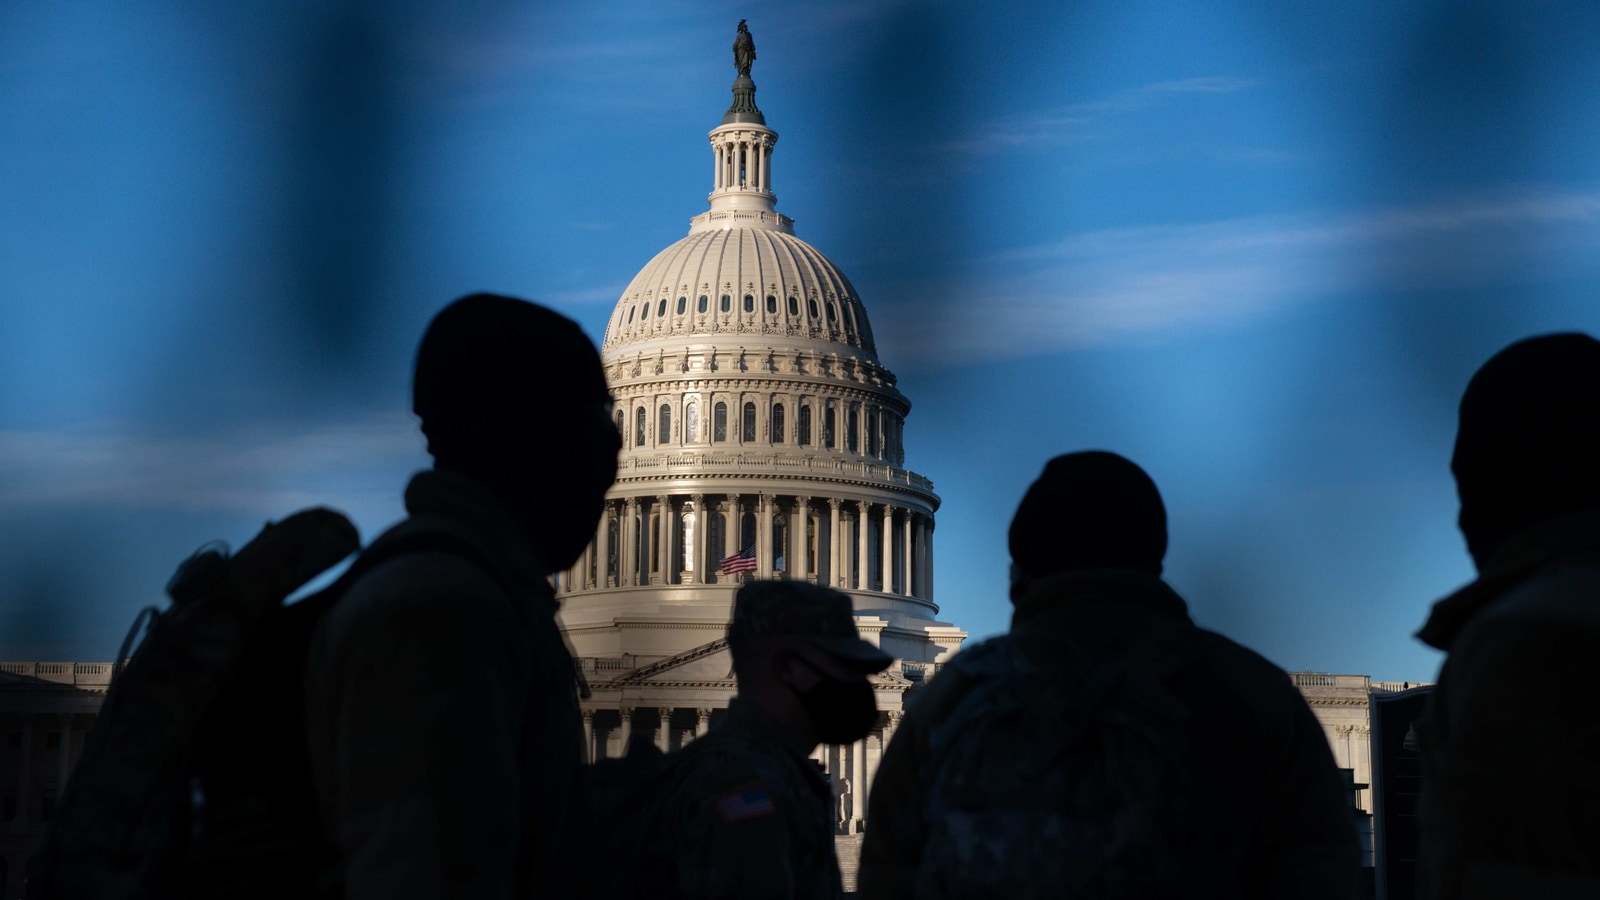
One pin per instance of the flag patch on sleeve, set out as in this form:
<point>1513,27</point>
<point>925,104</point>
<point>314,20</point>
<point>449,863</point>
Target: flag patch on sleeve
<point>745,804</point>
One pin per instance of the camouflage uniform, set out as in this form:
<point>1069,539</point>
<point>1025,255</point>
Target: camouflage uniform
<point>443,720</point>
<point>1279,823</point>
<point>752,817</point>
<point>751,814</point>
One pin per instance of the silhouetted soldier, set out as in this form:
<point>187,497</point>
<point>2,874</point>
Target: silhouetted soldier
<point>1106,747</point>
<point>442,714</point>
<point>750,815</point>
<point>1511,743</point>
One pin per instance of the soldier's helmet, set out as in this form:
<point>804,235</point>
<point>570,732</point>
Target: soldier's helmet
<point>806,612</point>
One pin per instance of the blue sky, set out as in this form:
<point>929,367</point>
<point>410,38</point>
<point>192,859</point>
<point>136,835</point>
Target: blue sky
<point>1258,248</point>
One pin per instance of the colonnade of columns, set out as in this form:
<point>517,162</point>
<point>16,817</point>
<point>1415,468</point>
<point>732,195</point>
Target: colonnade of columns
<point>24,806</point>
<point>682,538</point>
<point>746,154</point>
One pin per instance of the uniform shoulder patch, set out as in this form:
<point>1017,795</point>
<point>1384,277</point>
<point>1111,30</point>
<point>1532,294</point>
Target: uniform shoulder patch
<point>753,801</point>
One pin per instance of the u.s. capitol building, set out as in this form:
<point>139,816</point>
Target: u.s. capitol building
<point>762,438</point>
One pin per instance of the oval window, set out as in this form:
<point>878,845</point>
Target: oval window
<point>794,307</point>
<point>631,311</point>
<point>703,301</point>
<point>683,303</point>
<point>661,308</point>
<point>727,303</point>
<point>832,313</point>
<point>644,310</point>
<point>772,304</point>
<point>749,303</point>
<point>812,305</point>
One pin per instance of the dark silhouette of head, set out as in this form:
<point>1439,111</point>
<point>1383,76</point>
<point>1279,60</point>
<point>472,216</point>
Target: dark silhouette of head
<point>797,655</point>
<point>1088,510</point>
<point>513,395</point>
<point>1528,446</point>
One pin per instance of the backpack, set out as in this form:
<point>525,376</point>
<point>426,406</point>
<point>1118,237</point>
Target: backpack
<point>633,797</point>
<point>1065,780</point>
<point>196,779</point>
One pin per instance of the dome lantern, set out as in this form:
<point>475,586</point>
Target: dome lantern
<point>742,145</point>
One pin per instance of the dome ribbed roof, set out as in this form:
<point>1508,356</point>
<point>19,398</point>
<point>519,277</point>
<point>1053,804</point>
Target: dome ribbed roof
<point>757,280</point>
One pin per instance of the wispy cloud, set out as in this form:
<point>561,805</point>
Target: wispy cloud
<point>1085,120</point>
<point>266,468</point>
<point>1110,285</point>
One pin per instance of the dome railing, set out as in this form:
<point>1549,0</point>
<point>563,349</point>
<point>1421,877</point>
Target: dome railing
<point>788,464</point>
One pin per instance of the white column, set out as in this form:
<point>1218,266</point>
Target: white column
<point>863,577</point>
<point>628,555</point>
<point>905,554</point>
<point>625,733</point>
<point>716,182</point>
<point>799,550</point>
<point>702,721</point>
<point>764,557</point>
<point>65,763</point>
<point>833,543</point>
<point>928,559</point>
<point>887,551</point>
<point>589,756</point>
<point>664,729</point>
<point>735,525</point>
<point>603,548</point>
<point>858,784</point>
<point>668,537</point>
<point>702,524</point>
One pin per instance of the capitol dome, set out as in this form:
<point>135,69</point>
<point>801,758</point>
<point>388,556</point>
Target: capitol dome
<point>762,438</point>
<point>740,276</point>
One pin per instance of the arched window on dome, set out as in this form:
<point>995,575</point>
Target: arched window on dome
<point>749,303</point>
<point>829,414</point>
<point>833,313</point>
<point>719,423</point>
<point>772,305</point>
<point>727,303</point>
<point>811,304</point>
<point>631,311</point>
<point>661,307</point>
<point>872,431</point>
<point>849,312</point>
<point>794,307</point>
<point>638,428</point>
<point>802,434</point>
<point>777,423</point>
<point>852,428</point>
<point>748,433</point>
<point>622,427</point>
<point>664,425</point>
<point>683,305</point>
<point>691,422</point>
<point>644,310</point>
<point>703,301</point>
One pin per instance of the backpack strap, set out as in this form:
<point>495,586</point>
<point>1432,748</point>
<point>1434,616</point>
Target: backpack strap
<point>409,538</point>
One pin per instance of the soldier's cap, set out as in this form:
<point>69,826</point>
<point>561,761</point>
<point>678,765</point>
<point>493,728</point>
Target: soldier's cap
<point>796,609</point>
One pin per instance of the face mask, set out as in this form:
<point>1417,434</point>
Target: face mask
<point>840,711</point>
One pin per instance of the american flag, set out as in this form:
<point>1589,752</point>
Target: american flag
<point>747,803</point>
<point>743,561</point>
